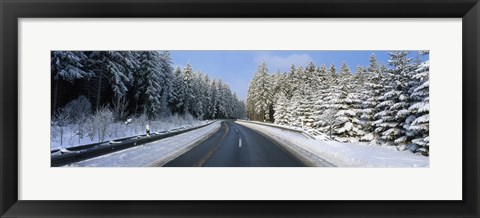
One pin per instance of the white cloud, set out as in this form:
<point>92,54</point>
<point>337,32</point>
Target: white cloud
<point>275,63</point>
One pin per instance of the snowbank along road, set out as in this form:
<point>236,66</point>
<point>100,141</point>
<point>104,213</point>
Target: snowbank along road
<point>234,145</point>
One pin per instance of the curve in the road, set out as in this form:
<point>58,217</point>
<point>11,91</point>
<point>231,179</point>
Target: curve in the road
<point>234,145</point>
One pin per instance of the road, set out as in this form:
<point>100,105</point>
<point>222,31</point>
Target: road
<point>235,145</point>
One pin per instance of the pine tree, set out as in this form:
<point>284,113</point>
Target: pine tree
<point>200,93</point>
<point>208,97</point>
<point>322,90</point>
<point>280,108</point>
<point>418,123</point>
<point>177,100</point>
<point>373,67</point>
<point>310,79</point>
<point>114,69</point>
<point>228,101</point>
<point>333,71</point>
<point>262,97</point>
<point>214,99</point>
<point>189,89</point>
<point>278,85</point>
<point>395,102</point>
<point>345,70</point>
<point>221,100</point>
<point>370,94</point>
<point>347,104</point>
<point>327,103</point>
<point>67,66</point>
<point>300,112</point>
<point>151,70</point>
<point>291,85</point>
<point>360,76</point>
<point>293,110</point>
<point>167,79</point>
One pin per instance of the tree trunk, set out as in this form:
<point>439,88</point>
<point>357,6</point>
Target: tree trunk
<point>99,90</point>
<point>55,96</point>
<point>100,76</point>
<point>330,130</point>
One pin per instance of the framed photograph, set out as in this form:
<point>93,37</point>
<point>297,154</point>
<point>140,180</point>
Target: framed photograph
<point>227,108</point>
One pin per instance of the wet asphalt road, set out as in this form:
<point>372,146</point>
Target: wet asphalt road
<point>235,145</point>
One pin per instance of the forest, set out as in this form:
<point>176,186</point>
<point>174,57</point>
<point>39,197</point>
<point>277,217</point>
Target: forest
<point>98,93</point>
<point>101,87</point>
<point>132,83</point>
<point>379,104</point>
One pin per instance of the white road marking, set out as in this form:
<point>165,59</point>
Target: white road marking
<point>239,142</point>
<point>236,130</point>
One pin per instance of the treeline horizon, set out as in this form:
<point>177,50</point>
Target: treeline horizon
<point>375,104</point>
<point>131,83</point>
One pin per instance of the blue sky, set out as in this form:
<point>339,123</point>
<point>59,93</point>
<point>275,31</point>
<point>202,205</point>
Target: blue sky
<point>237,68</point>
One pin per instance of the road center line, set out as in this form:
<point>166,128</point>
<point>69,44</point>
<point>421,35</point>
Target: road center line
<point>239,142</point>
<point>204,159</point>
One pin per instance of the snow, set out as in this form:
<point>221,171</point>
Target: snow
<point>120,130</point>
<point>343,154</point>
<point>64,150</point>
<point>152,154</point>
<point>367,137</point>
<point>345,112</point>
<point>424,85</point>
<point>421,107</point>
<point>276,125</point>
<point>423,119</point>
<point>347,127</point>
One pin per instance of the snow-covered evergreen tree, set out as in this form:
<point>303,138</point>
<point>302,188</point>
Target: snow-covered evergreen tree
<point>370,94</point>
<point>294,109</point>
<point>278,83</point>
<point>221,99</point>
<point>281,112</point>
<point>200,94</point>
<point>228,101</point>
<point>319,95</point>
<point>114,69</point>
<point>418,122</point>
<point>214,99</point>
<point>208,95</point>
<point>153,81</point>
<point>67,66</point>
<point>291,81</point>
<point>393,108</point>
<point>177,99</point>
<point>262,94</point>
<point>347,104</point>
<point>189,89</point>
<point>328,100</point>
<point>373,67</point>
<point>345,70</point>
<point>167,78</point>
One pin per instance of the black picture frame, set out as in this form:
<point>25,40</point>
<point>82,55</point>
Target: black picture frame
<point>12,10</point>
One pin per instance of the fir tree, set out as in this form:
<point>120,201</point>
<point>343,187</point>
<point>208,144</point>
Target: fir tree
<point>67,66</point>
<point>262,96</point>
<point>281,112</point>
<point>395,102</point>
<point>418,122</point>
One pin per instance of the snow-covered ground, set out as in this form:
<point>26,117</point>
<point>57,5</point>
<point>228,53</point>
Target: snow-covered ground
<point>307,131</point>
<point>118,130</point>
<point>342,154</point>
<point>152,154</point>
